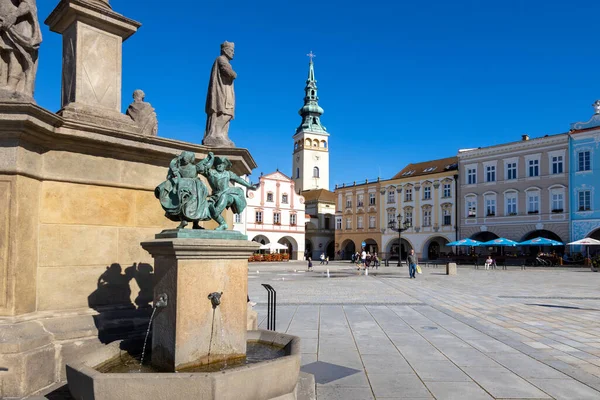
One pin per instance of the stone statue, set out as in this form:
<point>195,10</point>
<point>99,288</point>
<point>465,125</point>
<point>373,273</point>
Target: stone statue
<point>596,106</point>
<point>20,39</point>
<point>143,114</point>
<point>220,100</point>
<point>185,198</point>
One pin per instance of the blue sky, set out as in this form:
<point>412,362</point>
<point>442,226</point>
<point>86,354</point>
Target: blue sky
<point>400,81</point>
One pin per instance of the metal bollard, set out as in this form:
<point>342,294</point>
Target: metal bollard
<point>271,306</point>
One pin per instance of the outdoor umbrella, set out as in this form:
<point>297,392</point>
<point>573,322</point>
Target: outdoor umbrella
<point>586,242</point>
<point>500,242</point>
<point>464,242</point>
<point>273,246</point>
<point>540,241</point>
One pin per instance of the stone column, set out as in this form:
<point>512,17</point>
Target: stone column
<point>93,35</point>
<point>188,331</point>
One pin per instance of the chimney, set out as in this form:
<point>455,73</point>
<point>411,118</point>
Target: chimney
<point>524,137</point>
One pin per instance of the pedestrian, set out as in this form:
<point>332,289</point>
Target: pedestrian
<point>322,257</point>
<point>327,260</point>
<point>309,264</point>
<point>368,262</point>
<point>353,258</point>
<point>363,258</point>
<point>375,260</point>
<point>411,260</point>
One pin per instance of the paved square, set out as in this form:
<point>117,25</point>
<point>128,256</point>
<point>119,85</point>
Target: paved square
<point>483,334</point>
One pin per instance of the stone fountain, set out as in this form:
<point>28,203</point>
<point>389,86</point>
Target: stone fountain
<point>201,286</point>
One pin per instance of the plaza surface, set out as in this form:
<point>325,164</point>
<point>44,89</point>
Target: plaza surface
<point>483,334</point>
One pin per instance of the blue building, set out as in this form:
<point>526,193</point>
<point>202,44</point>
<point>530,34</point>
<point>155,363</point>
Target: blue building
<point>584,147</point>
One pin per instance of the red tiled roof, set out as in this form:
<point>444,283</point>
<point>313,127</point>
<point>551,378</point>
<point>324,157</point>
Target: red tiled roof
<point>428,167</point>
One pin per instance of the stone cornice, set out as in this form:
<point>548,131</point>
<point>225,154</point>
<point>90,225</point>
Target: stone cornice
<point>507,149</point>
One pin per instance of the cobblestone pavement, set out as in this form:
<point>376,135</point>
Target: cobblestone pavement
<point>483,334</point>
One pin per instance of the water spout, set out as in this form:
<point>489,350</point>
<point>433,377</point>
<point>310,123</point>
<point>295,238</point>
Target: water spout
<point>215,299</point>
<point>162,301</point>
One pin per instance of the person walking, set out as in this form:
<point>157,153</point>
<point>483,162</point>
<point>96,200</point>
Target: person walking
<point>322,257</point>
<point>411,260</point>
<point>375,260</point>
<point>363,258</point>
<point>309,264</point>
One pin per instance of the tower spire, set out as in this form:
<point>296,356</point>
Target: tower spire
<point>311,111</point>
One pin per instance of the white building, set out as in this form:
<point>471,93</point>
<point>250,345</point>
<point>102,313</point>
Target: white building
<point>275,213</point>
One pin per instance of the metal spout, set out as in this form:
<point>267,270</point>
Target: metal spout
<point>215,299</point>
<point>162,301</point>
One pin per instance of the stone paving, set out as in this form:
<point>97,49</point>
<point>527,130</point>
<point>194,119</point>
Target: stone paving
<point>483,334</point>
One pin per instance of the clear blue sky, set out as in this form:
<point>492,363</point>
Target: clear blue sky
<point>400,81</point>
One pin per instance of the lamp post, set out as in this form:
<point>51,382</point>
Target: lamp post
<point>401,228</point>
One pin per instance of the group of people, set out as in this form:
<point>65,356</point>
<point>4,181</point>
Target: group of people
<point>365,260</point>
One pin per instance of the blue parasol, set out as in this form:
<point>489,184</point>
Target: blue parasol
<point>540,241</point>
<point>464,242</point>
<point>501,242</point>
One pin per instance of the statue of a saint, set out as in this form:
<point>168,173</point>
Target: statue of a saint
<point>143,114</point>
<point>220,100</point>
<point>185,198</point>
<point>20,39</point>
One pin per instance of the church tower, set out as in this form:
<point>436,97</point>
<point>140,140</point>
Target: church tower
<point>310,166</point>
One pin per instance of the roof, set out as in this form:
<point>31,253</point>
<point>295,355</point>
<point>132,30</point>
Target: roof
<point>428,167</point>
<point>318,194</point>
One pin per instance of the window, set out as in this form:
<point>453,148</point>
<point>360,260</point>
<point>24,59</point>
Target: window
<point>490,173</point>
<point>237,218</point>
<point>408,217</point>
<point>327,222</point>
<point>390,217</point>
<point>371,222</point>
<point>315,172</point>
<point>284,199</point>
<point>533,202</point>
<point>511,170</point>
<point>447,190</point>
<point>348,201</point>
<point>490,206</point>
<point>427,217</point>
<point>427,193</point>
<point>293,219</point>
<point>534,168</point>
<point>447,216</point>
<point>585,200</point>
<point>259,217</point>
<point>348,223</point>
<point>297,172</point>
<point>360,200</point>
<point>371,199</point>
<point>391,196</point>
<point>270,197</point>
<point>471,207</point>
<point>338,223</point>
<point>359,223</point>
<point>408,194</point>
<point>583,161</point>
<point>511,203</point>
<point>471,176</point>
<point>557,164</point>
<point>558,201</point>
<point>277,218</point>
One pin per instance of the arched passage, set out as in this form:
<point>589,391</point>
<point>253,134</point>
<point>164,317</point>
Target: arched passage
<point>435,247</point>
<point>308,248</point>
<point>484,236</point>
<point>371,245</point>
<point>392,249</point>
<point>262,239</point>
<point>330,250</point>
<point>348,248</point>
<point>595,234</point>
<point>292,246</point>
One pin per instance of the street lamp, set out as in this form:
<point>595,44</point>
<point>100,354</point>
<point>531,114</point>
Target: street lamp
<point>401,228</point>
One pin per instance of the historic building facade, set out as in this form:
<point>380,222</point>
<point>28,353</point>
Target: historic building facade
<point>424,195</point>
<point>357,219</point>
<point>320,229</point>
<point>517,190</point>
<point>584,149</point>
<point>274,214</point>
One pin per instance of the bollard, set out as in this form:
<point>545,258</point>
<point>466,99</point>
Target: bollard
<point>328,273</point>
<point>271,306</point>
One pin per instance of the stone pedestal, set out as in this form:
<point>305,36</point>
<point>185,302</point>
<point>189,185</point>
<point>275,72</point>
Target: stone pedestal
<point>451,269</point>
<point>188,331</point>
<point>93,35</point>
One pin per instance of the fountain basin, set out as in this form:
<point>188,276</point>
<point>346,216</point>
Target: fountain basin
<point>275,379</point>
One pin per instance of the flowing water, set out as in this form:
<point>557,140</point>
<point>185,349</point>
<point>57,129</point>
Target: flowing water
<point>146,338</point>
<point>256,352</point>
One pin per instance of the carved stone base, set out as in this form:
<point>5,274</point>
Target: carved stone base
<point>100,117</point>
<point>9,95</point>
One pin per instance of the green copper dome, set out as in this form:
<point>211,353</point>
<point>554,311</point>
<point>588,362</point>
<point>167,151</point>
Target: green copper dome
<point>311,111</point>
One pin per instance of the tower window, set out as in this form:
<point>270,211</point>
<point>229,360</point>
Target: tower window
<point>315,120</point>
<point>315,172</point>
<point>312,92</point>
<point>297,172</point>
